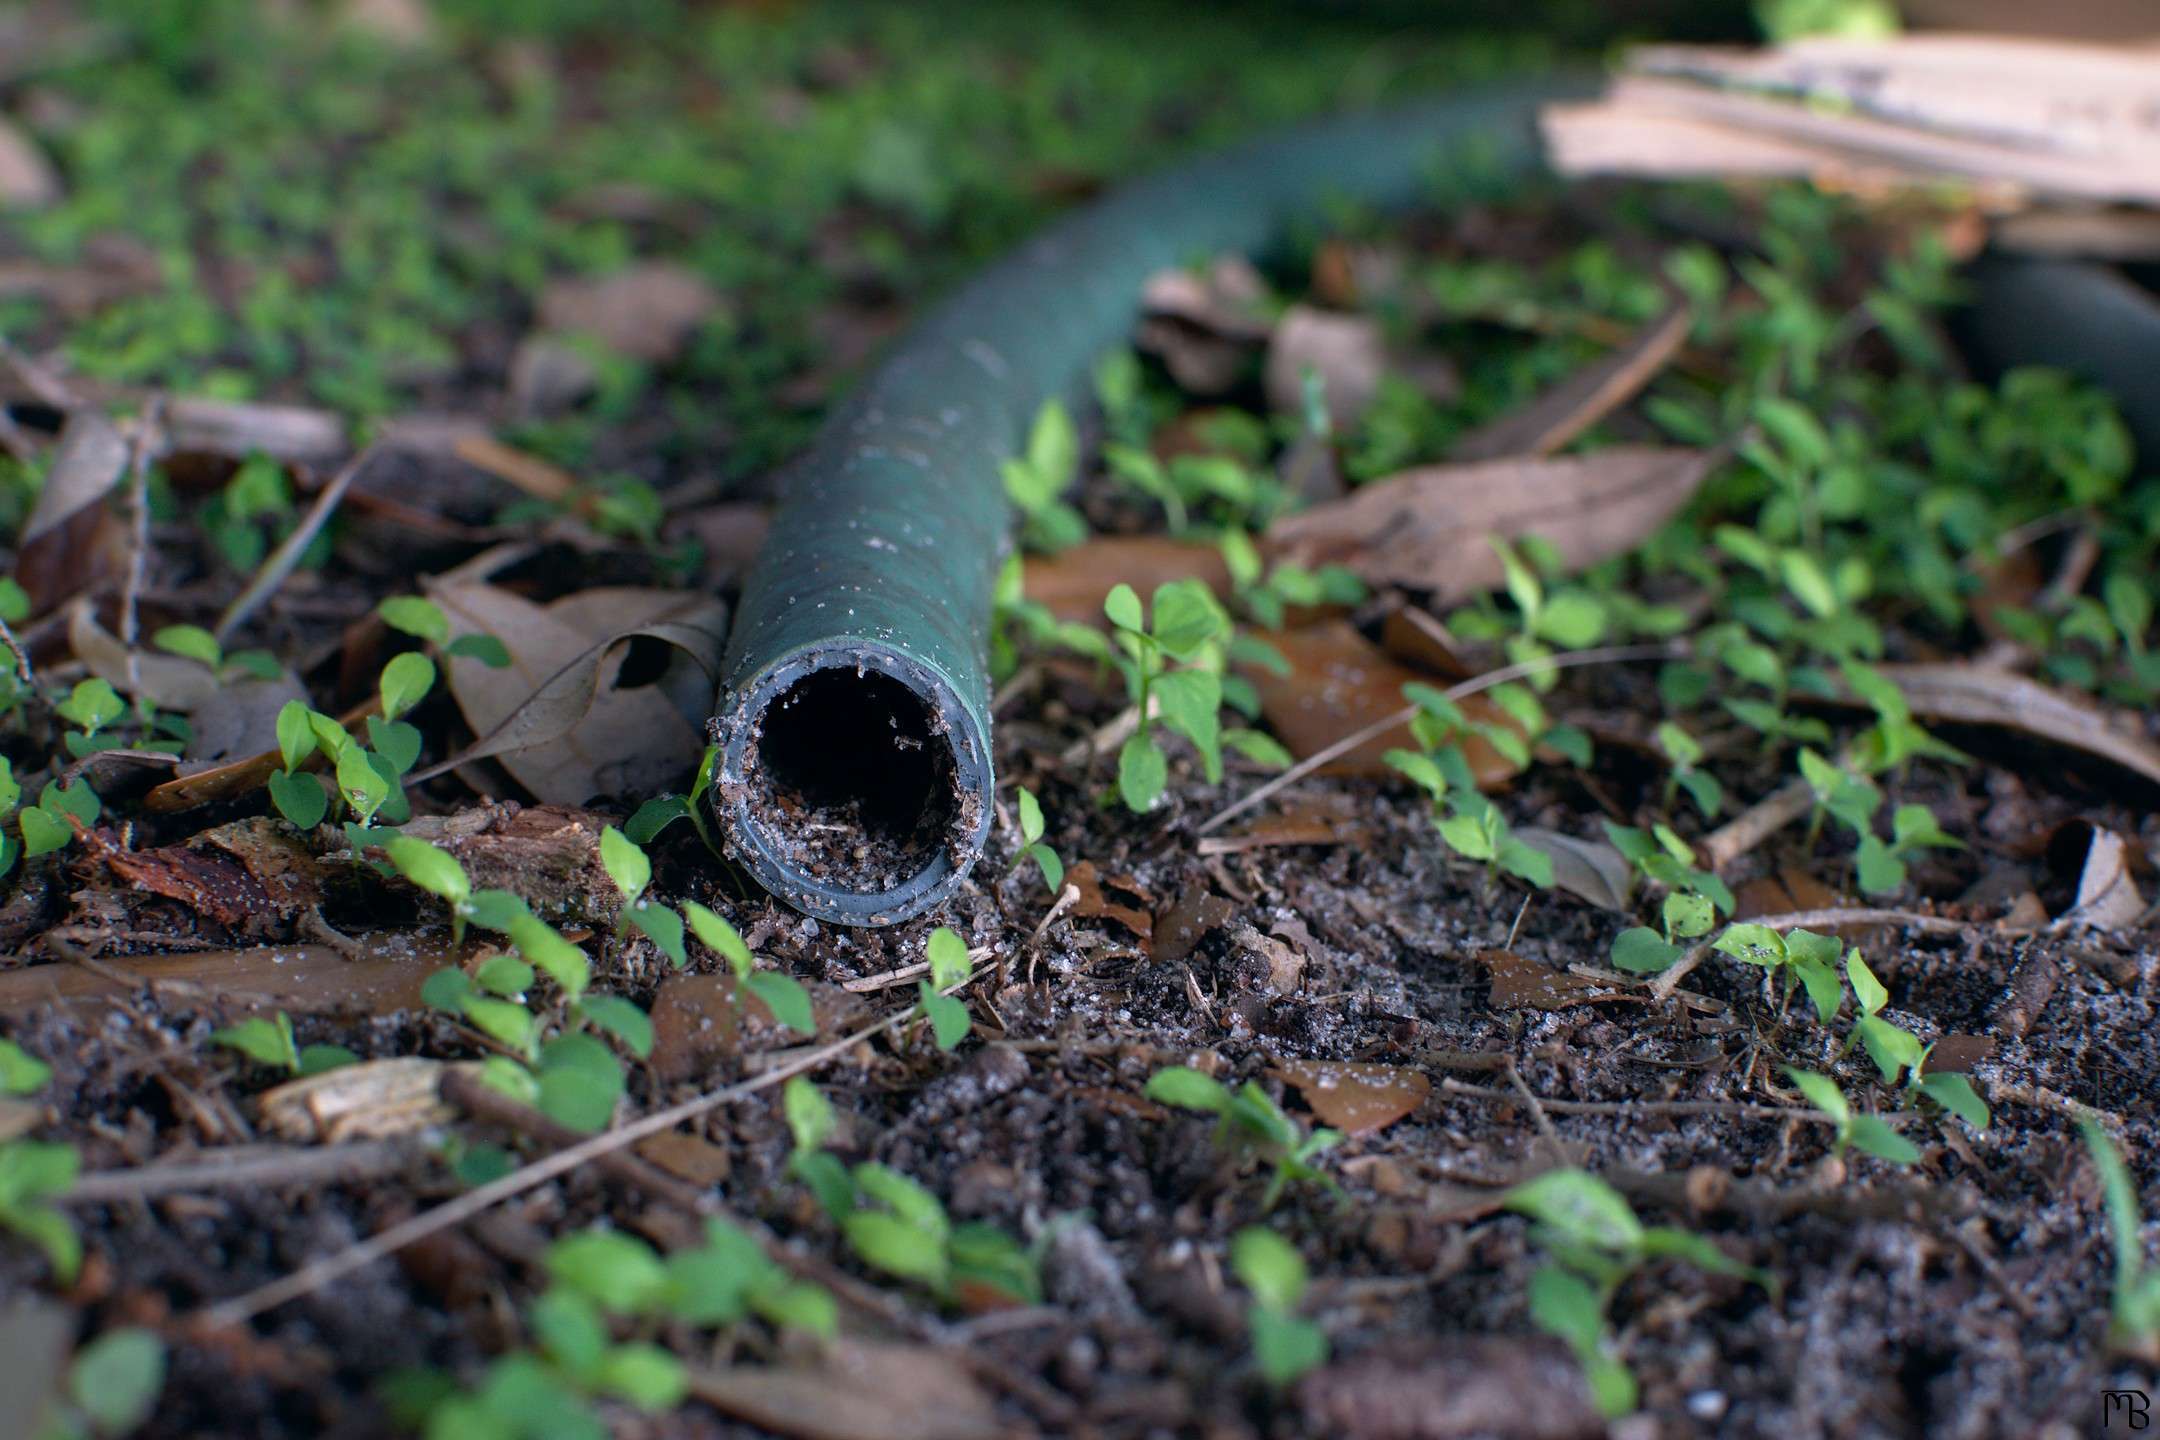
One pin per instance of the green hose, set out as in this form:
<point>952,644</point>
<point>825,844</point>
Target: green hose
<point>855,779</point>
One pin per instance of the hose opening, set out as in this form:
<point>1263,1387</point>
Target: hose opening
<point>852,780</point>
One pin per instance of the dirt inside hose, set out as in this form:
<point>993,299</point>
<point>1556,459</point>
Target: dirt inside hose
<point>854,780</point>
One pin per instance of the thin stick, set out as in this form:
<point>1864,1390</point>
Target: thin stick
<point>1735,1109</point>
<point>318,1273</point>
<point>146,425</point>
<point>22,660</point>
<point>254,1168</point>
<point>1611,654</point>
<point>282,560</point>
<point>1668,980</point>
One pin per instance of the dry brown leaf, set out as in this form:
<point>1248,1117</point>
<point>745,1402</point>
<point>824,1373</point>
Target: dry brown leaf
<point>695,1021</point>
<point>70,541</point>
<point>27,178</point>
<point>1093,904</point>
<point>1591,869</point>
<point>2107,898</point>
<point>1072,583</point>
<point>1347,352</point>
<point>1957,1054</point>
<point>1181,927</point>
<point>1290,827</point>
<point>536,477</point>
<point>1560,414</point>
<point>554,717</point>
<point>1519,983</point>
<point>1204,328</point>
<point>647,311</point>
<point>687,1157</point>
<point>1356,1099</point>
<point>1340,683</point>
<point>1453,1387</point>
<point>1430,528</point>
<point>858,1391</point>
<point>1416,637</point>
<point>1976,695</point>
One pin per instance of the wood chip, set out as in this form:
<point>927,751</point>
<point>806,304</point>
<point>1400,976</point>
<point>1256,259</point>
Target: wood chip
<point>372,1100</point>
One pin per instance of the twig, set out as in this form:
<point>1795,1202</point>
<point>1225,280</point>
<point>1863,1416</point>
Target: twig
<point>1757,823</point>
<point>22,660</point>
<point>1067,898</point>
<point>246,1167</point>
<point>1611,654</point>
<point>1733,1109</point>
<point>871,983</point>
<point>281,561</point>
<point>1668,980</point>
<point>475,1097</point>
<point>318,1273</point>
<point>147,425</point>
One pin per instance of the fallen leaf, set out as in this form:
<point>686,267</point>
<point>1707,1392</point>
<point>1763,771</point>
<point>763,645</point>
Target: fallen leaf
<point>1285,966</point>
<point>249,870</point>
<point>549,374</point>
<point>1348,353</point>
<point>1073,583</point>
<point>235,429</point>
<point>1094,904</point>
<point>1977,695</point>
<point>687,1157</point>
<point>1560,414</point>
<point>1340,683</point>
<point>858,1390</point>
<point>70,541</point>
<point>536,477</point>
<point>647,311</point>
<point>554,716</point>
<point>1417,637</point>
<point>372,1100</point>
<point>1289,827</point>
<point>1356,1098</point>
<point>27,178</point>
<point>1189,920</point>
<point>172,682</point>
<point>1204,328</point>
<point>1591,869</point>
<point>2107,898</point>
<point>1430,528</point>
<point>1519,983</point>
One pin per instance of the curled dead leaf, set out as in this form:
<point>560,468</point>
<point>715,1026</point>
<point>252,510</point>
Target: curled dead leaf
<point>1094,904</point>
<point>1980,695</point>
<point>1560,414</point>
<point>1591,869</point>
<point>1348,354</point>
<point>1430,528</point>
<point>70,541</point>
<point>2107,896</point>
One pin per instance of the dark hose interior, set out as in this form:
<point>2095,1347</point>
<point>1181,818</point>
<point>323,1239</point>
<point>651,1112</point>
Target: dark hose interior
<point>860,787</point>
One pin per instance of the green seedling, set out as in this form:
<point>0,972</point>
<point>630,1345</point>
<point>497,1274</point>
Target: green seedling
<point>896,1226</point>
<point>1267,594</point>
<point>1866,1133</point>
<point>1881,864</point>
<point>1028,812</point>
<point>1694,898</point>
<point>1594,1243</point>
<point>1469,824</point>
<point>268,1040</point>
<point>950,967</point>
<point>661,811</point>
<point>32,1172</point>
<point>1894,1049</point>
<point>368,781</point>
<point>1797,956</point>
<point>1285,1344</point>
<point>811,1122</point>
<point>56,818</point>
<point>2134,1320</point>
<point>1248,1118</point>
<point>1686,754</point>
<point>627,865</point>
<point>423,619</point>
<point>1037,479</point>
<point>110,1389</point>
<point>782,994</point>
<point>1568,617</point>
<point>1172,661</point>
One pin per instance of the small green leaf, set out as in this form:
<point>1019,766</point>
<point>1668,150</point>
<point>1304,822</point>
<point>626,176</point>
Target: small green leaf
<point>504,975</point>
<point>315,1059</point>
<point>43,832</point>
<point>1873,1136</point>
<point>1286,1346</point>
<point>502,1020</point>
<point>1143,771</point>
<point>1122,606</point>
<point>1688,915</point>
<point>92,704</point>
<point>1579,1206</point>
<point>786,998</point>
<point>1755,944</point>
<point>1028,811</point>
<point>1879,868</point>
<point>295,734</point>
<point>948,956</point>
<point>430,867</point>
<point>1824,989</point>
<point>20,1072</point>
<point>415,616</point>
<point>625,1021</point>
<point>1643,951</point>
<point>496,910</point>
<point>1187,616</point>
<point>1269,1266</point>
<point>647,1376</point>
<point>301,799</point>
<point>541,944</point>
<point>190,642</point>
<point>661,925</point>
<point>580,1082</point>
<point>885,1242</point>
<point>625,864</point>
<point>716,934</point>
<point>810,1117</point>
<point>949,1022</point>
<point>1805,578</point>
<point>1892,1048</point>
<point>1188,1089</point>
<point>263,1039</point>
<point>1955,1094</point>
<point>1868,990</point>
<point>1053,869</point>
<point>654,816</point>
<point>488,650</point>
<point>115,1379</point>
<point>446,989</point>
<point>406,681</point>
<point>395,741</point>
<point>617,1272</point>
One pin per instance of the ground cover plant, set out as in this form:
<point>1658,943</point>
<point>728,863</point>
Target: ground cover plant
<point>1535,906</point>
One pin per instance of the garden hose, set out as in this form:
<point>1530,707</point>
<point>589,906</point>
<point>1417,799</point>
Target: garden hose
<point>855,777</point>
